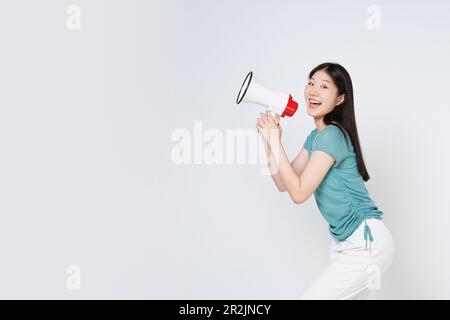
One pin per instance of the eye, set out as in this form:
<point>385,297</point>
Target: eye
<point>325,87</point>
<point>310,83</point>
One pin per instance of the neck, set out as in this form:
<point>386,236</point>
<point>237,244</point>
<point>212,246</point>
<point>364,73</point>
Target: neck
<point>320,125</point>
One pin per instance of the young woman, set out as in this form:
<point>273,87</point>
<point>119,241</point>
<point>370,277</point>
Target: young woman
<point>331,166</point>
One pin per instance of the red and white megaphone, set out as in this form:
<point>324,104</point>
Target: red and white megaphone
<point>254,92</point>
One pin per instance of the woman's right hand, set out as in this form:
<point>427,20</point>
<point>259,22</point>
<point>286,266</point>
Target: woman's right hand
<point>277,121</point>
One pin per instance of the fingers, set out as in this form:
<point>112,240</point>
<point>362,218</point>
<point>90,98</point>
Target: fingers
<point>266,119</point>
<point>260,123</point>
<point>261,130</point>
<point>263,117</point>
<point>277,118</point>
<point>270,118</point>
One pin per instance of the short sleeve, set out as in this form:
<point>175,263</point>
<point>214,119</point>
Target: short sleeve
<point>307,144</point>
<point>332,141</point>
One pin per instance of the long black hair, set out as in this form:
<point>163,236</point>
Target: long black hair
<point>343,115</point>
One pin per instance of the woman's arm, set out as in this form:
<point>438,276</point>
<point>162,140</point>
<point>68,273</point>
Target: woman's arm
<point>276,178</point>
<point>300,187</point>
<point>298,164</point>
<point>273,170</point>
<point>284,171</point>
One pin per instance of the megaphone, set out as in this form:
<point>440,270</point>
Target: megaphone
<point>254,92</point>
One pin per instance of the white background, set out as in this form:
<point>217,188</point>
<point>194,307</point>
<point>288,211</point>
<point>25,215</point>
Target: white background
<point>86,118</point>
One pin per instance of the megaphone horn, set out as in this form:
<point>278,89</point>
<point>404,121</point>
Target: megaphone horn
<point>254,92</point>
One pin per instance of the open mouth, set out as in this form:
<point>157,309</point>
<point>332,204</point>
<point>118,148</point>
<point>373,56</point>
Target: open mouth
<point>314,103</point>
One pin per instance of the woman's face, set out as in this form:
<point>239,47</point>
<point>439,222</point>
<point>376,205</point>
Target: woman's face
<point>321,95</point>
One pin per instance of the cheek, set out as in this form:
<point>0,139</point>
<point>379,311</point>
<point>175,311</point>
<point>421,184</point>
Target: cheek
<point>306,92</point>
<point>329,98</point>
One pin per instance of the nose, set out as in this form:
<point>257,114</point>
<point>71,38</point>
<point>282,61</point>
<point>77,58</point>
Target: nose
<point>313,92</point>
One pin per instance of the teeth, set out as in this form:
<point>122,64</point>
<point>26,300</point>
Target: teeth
<point>314,101</point>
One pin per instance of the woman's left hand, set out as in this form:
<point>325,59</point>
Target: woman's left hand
<point>269,128</point>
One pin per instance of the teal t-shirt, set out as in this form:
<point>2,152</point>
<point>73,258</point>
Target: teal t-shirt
<point>342,197</point>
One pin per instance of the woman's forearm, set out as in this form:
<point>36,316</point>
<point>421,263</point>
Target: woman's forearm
<point>284,171</point>
<point>273,170</point>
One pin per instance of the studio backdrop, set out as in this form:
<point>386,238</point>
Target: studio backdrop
<point>127,170</point>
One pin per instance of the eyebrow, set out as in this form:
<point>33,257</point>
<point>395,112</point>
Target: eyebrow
<point>322,80</point>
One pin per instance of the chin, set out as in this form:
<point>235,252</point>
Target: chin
<point>313,113</point>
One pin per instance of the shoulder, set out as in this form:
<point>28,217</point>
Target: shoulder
<point>312,133</point>
<point>332,129</point>
<point>331,133</point>
<point>309,138</point>
<point>332,141</point>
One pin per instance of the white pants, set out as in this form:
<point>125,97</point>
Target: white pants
<point>355,271</point>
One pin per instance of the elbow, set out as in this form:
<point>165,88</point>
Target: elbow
<point>298,199</point>
<point>297,195</point>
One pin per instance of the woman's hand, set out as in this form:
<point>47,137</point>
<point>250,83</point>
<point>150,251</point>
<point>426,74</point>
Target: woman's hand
<point>269,128</point>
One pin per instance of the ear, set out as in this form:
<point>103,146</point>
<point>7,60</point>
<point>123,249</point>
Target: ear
<point>340,99</point>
